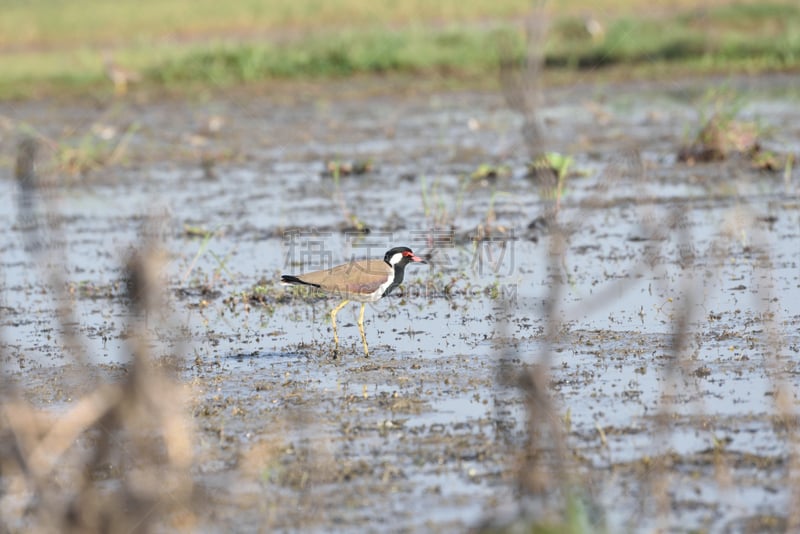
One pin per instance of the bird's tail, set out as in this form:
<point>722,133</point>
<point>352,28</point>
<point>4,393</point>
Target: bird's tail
<point>293,280</point>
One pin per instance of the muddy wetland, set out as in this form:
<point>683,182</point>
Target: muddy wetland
<point>605,338</point>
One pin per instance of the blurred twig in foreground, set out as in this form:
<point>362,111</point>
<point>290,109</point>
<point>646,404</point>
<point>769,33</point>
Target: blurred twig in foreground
<point>55,465</point>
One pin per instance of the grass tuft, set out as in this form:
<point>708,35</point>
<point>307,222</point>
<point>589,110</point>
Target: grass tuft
<point>223,47</point>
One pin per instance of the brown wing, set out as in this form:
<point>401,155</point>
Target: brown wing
<point>359,277</point>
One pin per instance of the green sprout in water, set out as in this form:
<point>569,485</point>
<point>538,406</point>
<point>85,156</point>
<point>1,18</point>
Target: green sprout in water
<point>438,207</point>
<point>207,236</point>
<point>558,165</point>
<point>486,171</point>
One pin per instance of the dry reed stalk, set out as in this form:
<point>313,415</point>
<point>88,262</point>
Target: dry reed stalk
<point>53,465</point>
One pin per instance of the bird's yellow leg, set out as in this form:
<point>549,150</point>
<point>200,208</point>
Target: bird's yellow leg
<point>333,321</point>
<point>361,328</point>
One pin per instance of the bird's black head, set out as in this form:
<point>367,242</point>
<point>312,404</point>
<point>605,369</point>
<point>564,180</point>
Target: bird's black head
<point>401,256</point>
<point>398,258</point>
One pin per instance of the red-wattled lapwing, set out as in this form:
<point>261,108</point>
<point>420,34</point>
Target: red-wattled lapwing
<point>363,281</point>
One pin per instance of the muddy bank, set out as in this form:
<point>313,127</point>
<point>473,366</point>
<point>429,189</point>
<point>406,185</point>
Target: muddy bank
<point>662,303</point>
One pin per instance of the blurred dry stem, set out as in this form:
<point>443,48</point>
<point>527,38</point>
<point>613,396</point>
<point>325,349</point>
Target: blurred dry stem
<point>660,476</point>
<point>546,474</point>
<point>542,470</point>
<point>54,462</point>
<point>521,80</point>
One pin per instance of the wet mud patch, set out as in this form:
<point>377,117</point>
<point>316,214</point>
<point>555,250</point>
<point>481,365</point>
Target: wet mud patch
<point>376,427</point>
<point>667,329</point>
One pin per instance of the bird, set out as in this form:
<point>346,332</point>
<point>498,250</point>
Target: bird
<point>119,75</point>
<point>594,28</point>
<point>359,280</point>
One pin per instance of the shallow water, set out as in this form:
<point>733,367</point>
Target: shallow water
<point>413,431</point>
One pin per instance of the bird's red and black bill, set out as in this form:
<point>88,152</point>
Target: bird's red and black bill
<point>409,254</point>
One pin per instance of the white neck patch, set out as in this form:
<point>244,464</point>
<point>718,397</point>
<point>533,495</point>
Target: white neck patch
<point>395,259</point>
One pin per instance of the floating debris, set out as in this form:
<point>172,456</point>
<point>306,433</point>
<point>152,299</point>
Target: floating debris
<point>344,168</point>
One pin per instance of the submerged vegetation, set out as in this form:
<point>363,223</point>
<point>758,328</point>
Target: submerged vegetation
<point>724,134</point>
<point>172,44</point>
